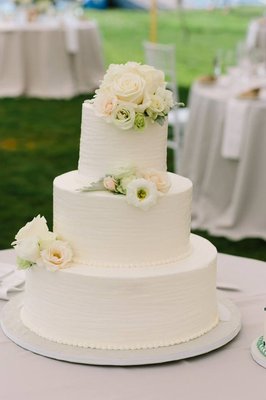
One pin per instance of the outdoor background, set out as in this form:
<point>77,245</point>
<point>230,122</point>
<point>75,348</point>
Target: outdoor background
<point>39,139</point>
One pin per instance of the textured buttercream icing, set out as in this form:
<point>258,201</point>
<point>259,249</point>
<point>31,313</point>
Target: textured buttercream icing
<point>104,230</point>
<point>125,308</point>
<point>104,147</point>
<point>136,278</point>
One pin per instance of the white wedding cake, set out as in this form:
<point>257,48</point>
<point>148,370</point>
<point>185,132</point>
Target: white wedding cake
<point>121,269</point>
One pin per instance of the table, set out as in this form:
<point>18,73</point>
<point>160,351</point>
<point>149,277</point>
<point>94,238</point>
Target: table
<point>50,59</point>
<point>226,373</point>
<point>229,194</point>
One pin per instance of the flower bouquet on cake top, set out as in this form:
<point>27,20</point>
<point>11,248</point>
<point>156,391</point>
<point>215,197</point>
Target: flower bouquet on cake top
<point>132,94</point>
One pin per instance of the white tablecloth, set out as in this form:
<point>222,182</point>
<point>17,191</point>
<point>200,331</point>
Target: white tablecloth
<point>227,373</point>
<point>229,193</point>
<point>256,35</point>
<point>50,59</point>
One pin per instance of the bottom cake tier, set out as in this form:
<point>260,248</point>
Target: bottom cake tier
<point>125,308</point>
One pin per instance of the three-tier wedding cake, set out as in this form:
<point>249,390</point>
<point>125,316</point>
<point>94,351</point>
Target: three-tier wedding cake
<point>121,269</point>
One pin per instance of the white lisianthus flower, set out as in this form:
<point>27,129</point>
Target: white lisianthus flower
<point>57,256</point>
<point>35,228</point>
<point>159,178</point>
<point>156,106</point>
<point>28,249</point>
<point>166,97</point>
<point>124,116</point>
<point>129,87</point>
<point>141,193</point>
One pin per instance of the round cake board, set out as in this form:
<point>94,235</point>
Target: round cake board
<point>227,328</point>
<point>256,354</point>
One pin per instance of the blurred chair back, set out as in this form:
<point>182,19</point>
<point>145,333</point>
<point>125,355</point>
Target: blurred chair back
<point>163,57</point>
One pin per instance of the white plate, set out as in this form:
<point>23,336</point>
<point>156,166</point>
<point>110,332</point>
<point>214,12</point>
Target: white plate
<point>256,354</point>
<point>224,332</point>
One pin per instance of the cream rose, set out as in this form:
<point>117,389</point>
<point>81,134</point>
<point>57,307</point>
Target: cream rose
<point>154,78</point>
<point>57,256</point>
<point>104,105</point>
<point>129,87</point>
<point>159,178</point>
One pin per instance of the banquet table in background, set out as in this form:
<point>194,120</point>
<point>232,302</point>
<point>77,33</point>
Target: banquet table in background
<point>229,194</point>
<point>256,35</point>
<point>226,373</point>
<point>50,59</point>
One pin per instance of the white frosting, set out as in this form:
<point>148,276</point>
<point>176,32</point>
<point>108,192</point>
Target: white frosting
<point>102,302</point>
<point>104,230</point>
<point>104,147</point>
<point>125,308</point>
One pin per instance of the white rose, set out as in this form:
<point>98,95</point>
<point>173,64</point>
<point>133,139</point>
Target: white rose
<point>28,249</point>
<point>159,178</point>
<point>141,193</point>
<point>154,78</point>
<point>35,228</point>
<point>124,116</point>
<point>129,87</point>
<point>57,256</point>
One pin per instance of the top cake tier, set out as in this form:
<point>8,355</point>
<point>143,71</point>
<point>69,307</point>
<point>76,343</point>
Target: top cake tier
<point>125,125</point>
<point>104,147</point>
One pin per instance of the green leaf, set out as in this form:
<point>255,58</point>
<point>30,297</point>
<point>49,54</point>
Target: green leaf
<point>160,120</point>
<point>93,187</point>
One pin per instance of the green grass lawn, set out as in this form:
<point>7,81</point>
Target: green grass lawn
<point>197,35</point>
<point>39,139</point>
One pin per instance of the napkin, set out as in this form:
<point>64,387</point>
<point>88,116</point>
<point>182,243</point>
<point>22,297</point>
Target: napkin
<point>207,79</point>
<point>235,120</point>
<point>250,94</point>
<point>71,36</point>
<point>11,280</point>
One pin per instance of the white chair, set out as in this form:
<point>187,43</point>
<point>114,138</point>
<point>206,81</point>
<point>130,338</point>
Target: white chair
<point>163,57</point>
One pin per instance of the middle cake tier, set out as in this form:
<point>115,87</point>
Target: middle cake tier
<point>103,229</point>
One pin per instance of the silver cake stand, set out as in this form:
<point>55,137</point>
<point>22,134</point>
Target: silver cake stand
<point>227,328</point>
